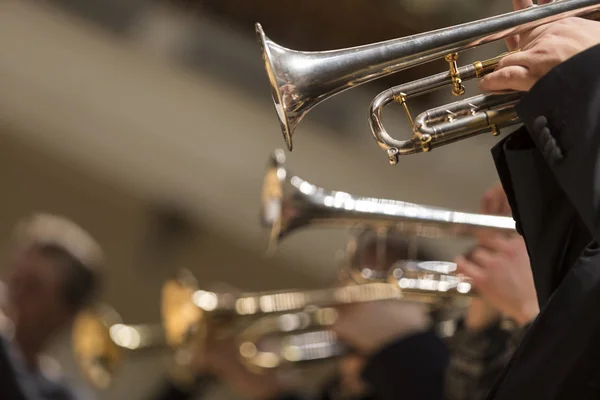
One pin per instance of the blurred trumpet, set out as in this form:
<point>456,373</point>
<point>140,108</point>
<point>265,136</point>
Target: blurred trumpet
<point>100,338</point>
<point>273,341</point>
<point>190,314</point>
<point>290,203</point>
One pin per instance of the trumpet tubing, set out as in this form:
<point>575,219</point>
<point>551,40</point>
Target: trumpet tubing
<point>274,341</point>
<point>301,80</point>
<point>446,124</point>
<point>290,338</point>
<point>290,203</point>
<point>190,315</point>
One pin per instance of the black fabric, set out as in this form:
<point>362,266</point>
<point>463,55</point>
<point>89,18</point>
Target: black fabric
<point>18,383</point>
<point>549,170</point>
<point>411,368</point>
<point>10,386</point>
<point>171,391</point>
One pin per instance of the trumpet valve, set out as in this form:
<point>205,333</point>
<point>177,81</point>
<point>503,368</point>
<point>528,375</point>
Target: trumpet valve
<point>458,89</point>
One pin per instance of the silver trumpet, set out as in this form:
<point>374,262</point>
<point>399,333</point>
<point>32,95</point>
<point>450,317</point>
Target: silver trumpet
<point>290,203</point>
<point>100,339</point>
<point>296,319</point>
<point>301,80</point>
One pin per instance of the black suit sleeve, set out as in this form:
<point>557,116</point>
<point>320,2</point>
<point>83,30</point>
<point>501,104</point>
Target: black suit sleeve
<point>562,115</point>
<point>11,386</point>
<point>171,391</point>
<point>411,368</point>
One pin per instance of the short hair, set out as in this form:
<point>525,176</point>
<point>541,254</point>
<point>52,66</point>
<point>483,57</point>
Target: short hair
<point>71,247</point>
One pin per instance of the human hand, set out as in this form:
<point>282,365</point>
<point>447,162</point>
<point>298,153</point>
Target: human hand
<point>351,382</point>
<point>500,271</point>
<point>495,202</point>
<point>367,327</point>
<point>542,49</point>
<point>480,315</point>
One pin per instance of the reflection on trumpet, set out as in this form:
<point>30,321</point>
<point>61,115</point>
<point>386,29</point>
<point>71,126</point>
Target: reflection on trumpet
<point>290,203</point>
<point>448,123</point>
<point>301,80</point>
<point>276,340</point>
<point>100,337</point>
<point>189,314</point>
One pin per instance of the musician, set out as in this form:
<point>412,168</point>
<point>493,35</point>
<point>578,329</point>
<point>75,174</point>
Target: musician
<point>386,345</point>
<point>53,271</point>
<point>483,342</point>
<point>549,169</point>
<point>500,271</point>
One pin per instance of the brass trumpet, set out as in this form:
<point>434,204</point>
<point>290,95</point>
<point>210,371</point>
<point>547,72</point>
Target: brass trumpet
<point>290,203</point>
<point>301,80</point>
<point>190,314</point>
<point>274,341</point>
<point>100,338</point>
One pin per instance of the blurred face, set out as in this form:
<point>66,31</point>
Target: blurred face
<point>35,294</point>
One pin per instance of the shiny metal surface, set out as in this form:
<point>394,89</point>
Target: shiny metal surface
<point>190,315</point>
<point>274,341</point>
<point>446,124</point>
<point>301,80</point>
<point>99,339</point>
<point>289,203</point>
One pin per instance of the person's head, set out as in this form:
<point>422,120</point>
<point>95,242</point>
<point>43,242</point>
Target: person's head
<point>53,274</point>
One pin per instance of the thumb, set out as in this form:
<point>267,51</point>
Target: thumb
<point>513,77</point>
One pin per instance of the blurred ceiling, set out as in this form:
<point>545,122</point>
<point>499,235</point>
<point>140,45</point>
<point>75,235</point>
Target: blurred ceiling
<point>130,108</point>
<point>309,25</point>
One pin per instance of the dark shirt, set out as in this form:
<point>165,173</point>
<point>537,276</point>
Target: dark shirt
<point>550,172</point>
<point>477,359</point>
<point>403,369</point>
<point>19,383</point>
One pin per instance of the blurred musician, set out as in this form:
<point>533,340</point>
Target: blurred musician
<point>221,362</point>
<point>397,351</point>
<point>53,271</point>
<point>500,271</point>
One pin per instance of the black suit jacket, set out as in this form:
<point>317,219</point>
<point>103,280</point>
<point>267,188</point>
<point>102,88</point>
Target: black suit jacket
<point>409,368</point>
<point>19,383</point>
<point>550,171</point>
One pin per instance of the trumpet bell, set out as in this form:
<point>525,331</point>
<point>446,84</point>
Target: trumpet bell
<point>289,203</point>
<point>96,354</point>
<point>182,319</point>
<point>301,80</point>
<point>288,118</point>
